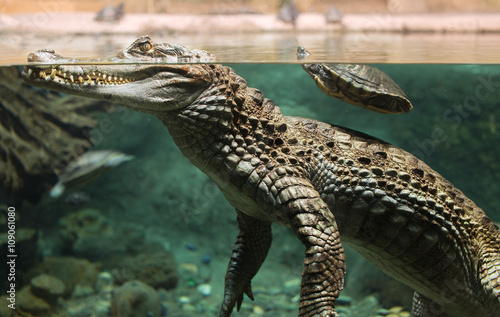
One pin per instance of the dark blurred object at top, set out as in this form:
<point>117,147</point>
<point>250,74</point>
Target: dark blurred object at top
<point>333,15</point>
<point>40,132</point>
<point>288,12</point>
<point>110,13</point>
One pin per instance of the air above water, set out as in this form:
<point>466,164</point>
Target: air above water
<point>160,202</point>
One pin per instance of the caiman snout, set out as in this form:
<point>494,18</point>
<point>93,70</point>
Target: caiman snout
<point>156,83</point>
<point>45,55</point>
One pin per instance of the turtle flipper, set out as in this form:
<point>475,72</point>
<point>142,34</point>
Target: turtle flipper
<point>249,252</point>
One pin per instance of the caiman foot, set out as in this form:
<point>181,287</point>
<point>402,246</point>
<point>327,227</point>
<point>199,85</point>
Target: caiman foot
<point>249,251</point>
<point>231,299</point>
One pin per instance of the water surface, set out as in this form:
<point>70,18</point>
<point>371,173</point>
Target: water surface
<point>452,81</point>
<point>335,47</point>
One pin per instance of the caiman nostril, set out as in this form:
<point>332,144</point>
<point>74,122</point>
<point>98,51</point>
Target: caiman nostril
<point>43,55</point>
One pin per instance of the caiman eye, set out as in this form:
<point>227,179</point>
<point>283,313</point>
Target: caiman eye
<point>145,46</point>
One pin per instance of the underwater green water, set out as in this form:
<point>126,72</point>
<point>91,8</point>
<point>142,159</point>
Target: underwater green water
<point>454,127</point>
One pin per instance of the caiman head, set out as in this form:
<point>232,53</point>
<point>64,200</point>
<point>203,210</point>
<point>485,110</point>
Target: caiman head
<point>142,77</point>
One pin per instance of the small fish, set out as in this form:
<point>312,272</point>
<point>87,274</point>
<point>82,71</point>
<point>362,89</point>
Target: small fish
<point>87,168</point>
<point>77,198</point>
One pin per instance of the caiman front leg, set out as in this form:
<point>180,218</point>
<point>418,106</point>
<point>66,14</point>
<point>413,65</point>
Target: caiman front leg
<point>249,252</point>
<point>324,262</point>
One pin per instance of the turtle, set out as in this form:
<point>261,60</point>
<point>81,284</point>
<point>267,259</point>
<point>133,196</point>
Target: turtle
<point>86,168</point>
<point>358,84</point>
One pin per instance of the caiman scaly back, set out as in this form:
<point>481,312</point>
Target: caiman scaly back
<point>327,183</point>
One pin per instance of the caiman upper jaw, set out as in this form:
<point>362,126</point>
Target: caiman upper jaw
<point>71,74</point>
<point>67,73</point>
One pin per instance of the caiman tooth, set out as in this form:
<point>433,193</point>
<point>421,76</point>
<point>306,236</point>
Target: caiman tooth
<point>53,73</point>
<point>42,74</point>
<point>80,79</point>
<point>72,78</point>
<point>30,71</point>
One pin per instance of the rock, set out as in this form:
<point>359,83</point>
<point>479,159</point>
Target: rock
<point>102,307</point>
<point>86,222</point>
<point>5,311</point>
<point>382,311</point>
<point>82,291</point>
<point>128,239</point>
<point>83,223</point>
<point>156,268</point>
<point>133,299</point>
<point>188,308</point>
<point>295,299</point>
<point>27,247</point>
<point>343,300</point>
<point>71,271</point>
<point>346,312</point>
<point>47,287</point>
<point>206,259</point>
<point>188,269</point>
<point>104,283</point>
<point>87,233</point>
<point>366,307</point>
<point>292,286</point>
<point>395,310</point>
<point>26,301</point>
<point>99,247</point>
<point>163,310</point>
<point>91,306</point>
<point>258,310</point>
<point>204,289</point>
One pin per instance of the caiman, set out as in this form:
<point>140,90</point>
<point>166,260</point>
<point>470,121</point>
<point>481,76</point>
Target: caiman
<point>327,183</point>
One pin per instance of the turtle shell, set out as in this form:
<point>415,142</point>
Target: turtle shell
<point>360,85</point>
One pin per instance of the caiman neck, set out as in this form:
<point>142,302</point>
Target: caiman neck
<point>224,116</point>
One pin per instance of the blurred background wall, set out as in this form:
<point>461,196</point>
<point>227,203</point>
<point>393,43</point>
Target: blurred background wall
<point>253,6</point>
